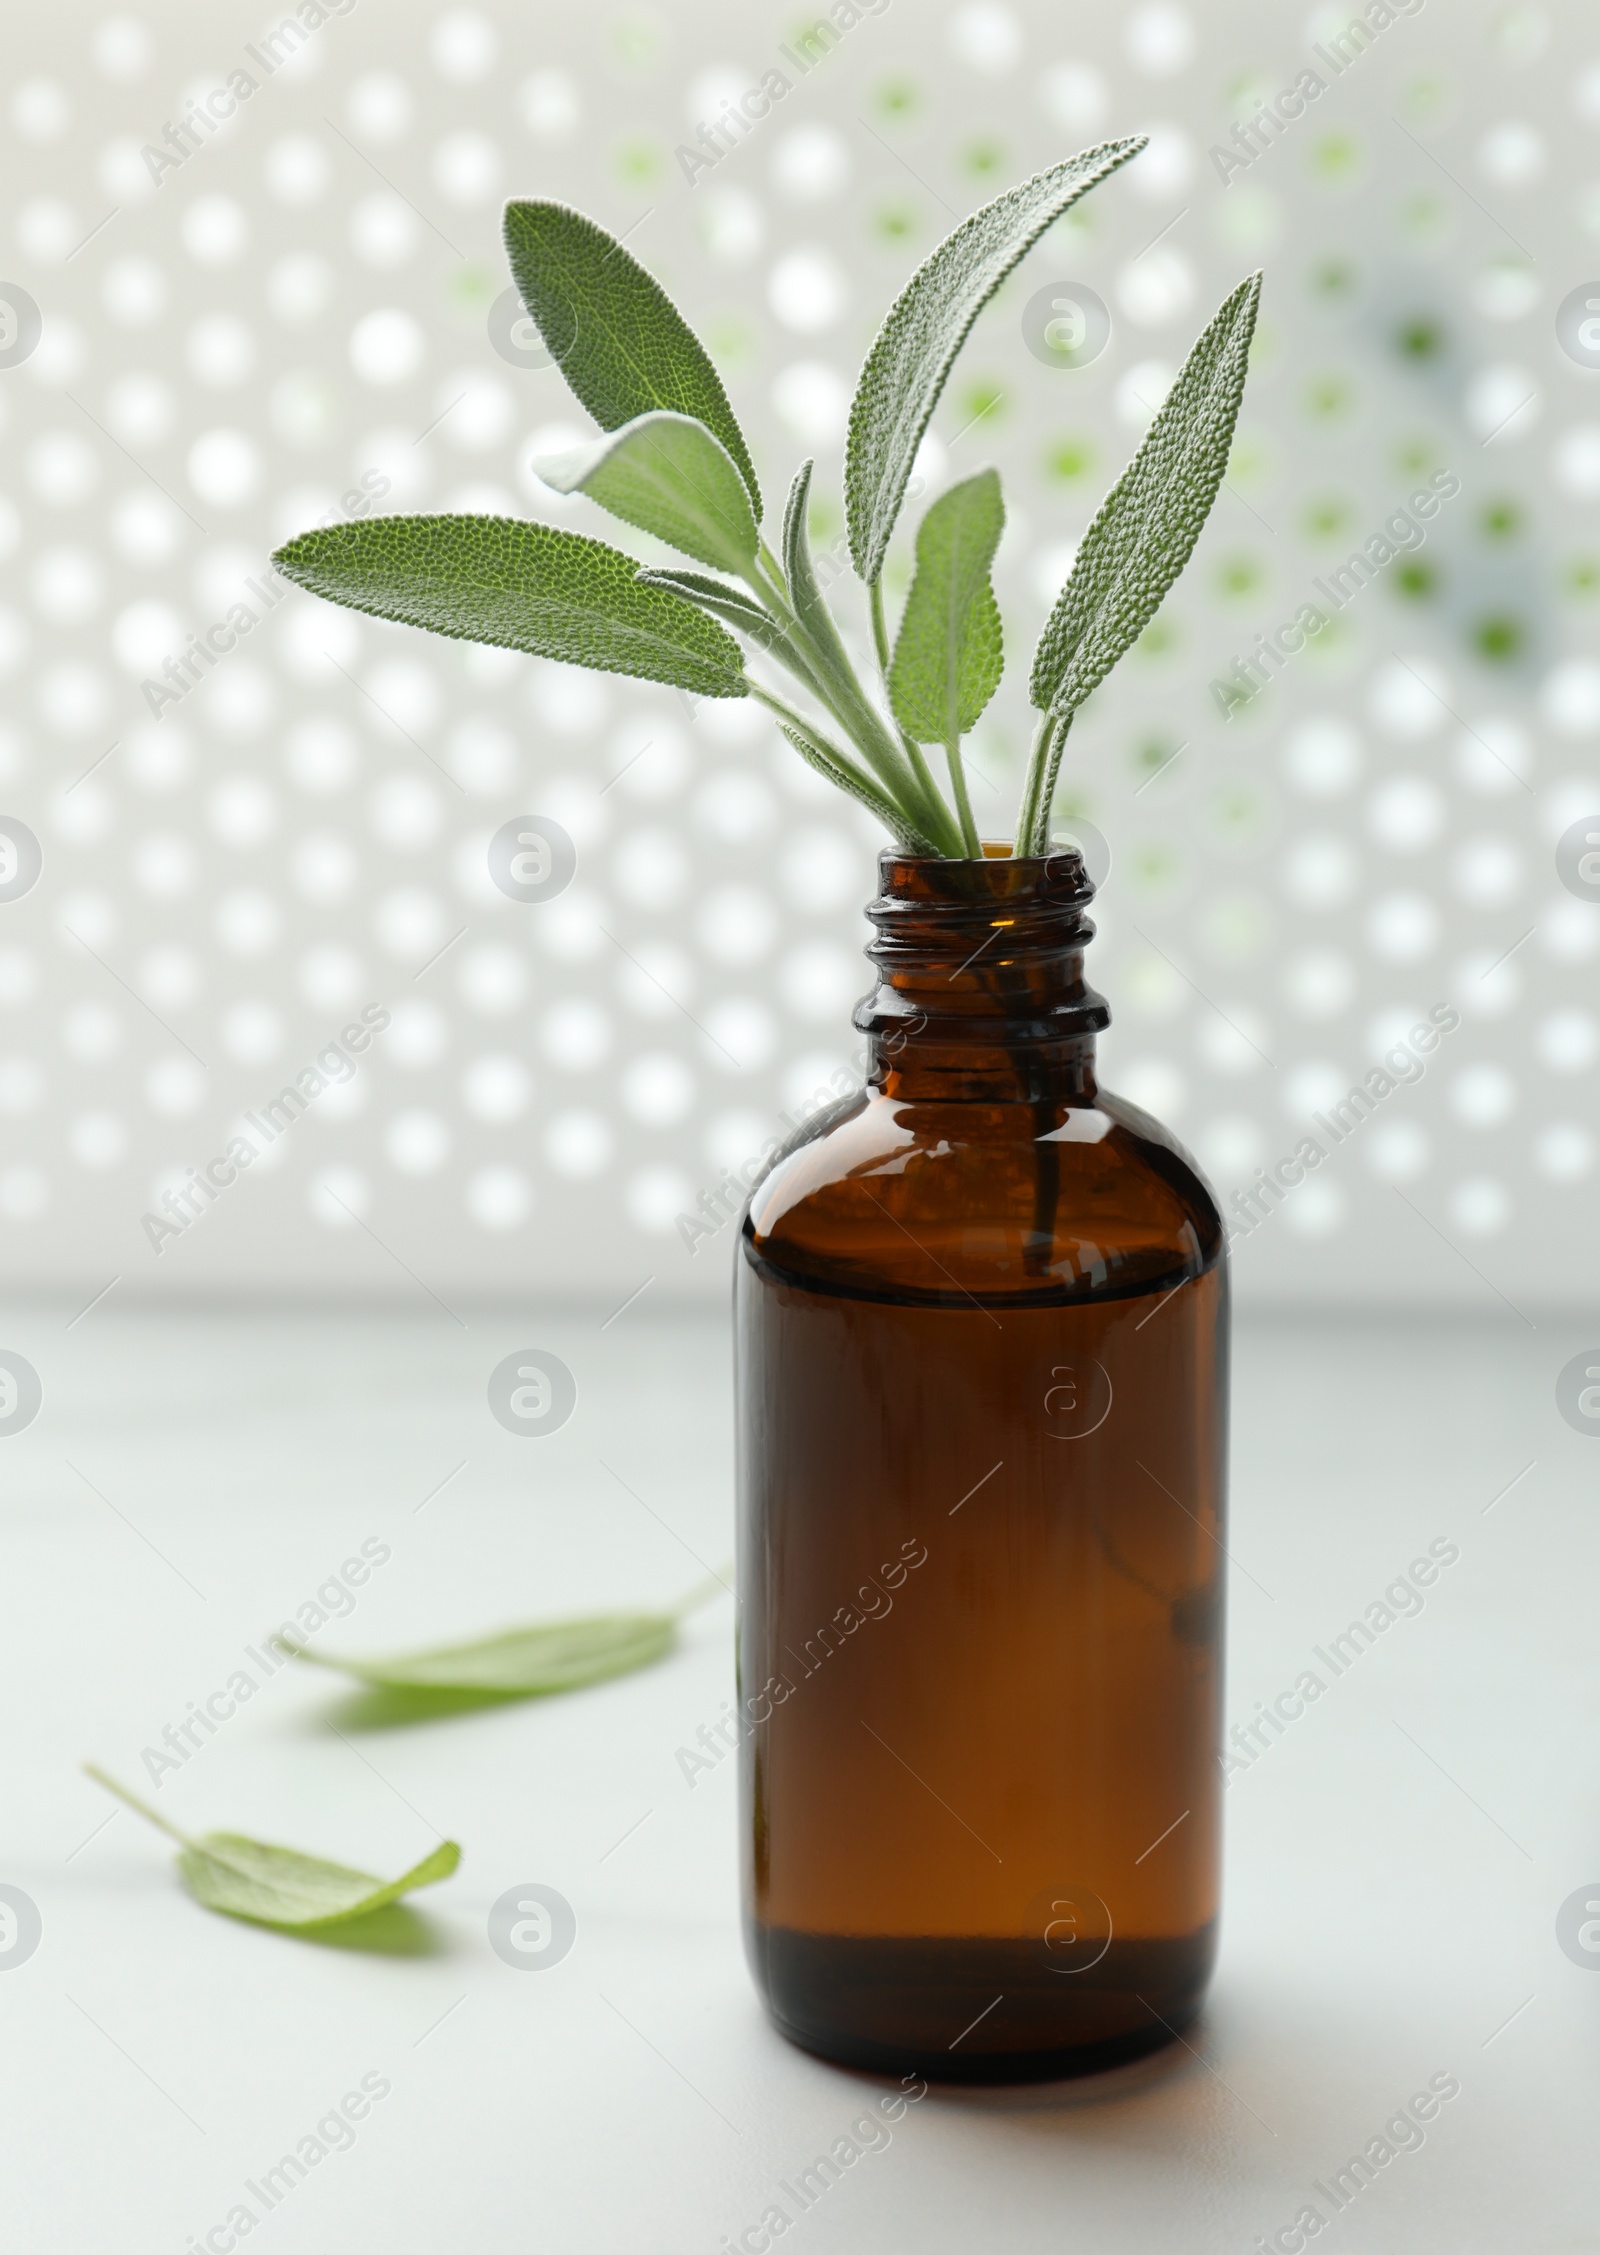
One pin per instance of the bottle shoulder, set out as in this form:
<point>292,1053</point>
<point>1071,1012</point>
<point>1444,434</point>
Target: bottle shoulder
<point>934,1200</point>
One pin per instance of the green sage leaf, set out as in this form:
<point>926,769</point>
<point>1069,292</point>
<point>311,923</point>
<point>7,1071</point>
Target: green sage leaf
<point>731,604</point>
<point>616,336</point>
<point>805,590</point>
<point>927,325</point>
<point>522,1663</point>
<point>279,1887</point>
<point>948,656</point>
<point>1148,523</point>
<point>244,1878</point>
<point>522,586</point>
<point>858,787</point>
<point>1140,540</point>
<point>666,474</point>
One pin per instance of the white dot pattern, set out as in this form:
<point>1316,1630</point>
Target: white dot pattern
<point>293,327</point>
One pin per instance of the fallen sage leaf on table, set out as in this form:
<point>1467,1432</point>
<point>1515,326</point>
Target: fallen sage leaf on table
<point>526,1663</point>
<point>250,1879</point>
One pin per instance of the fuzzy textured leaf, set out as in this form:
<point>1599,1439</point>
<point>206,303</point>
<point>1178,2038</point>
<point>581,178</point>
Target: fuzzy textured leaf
<point>907,839</point>
<point>280,1887</point>
<point>805,590</point>
<point>730,604</point>
<point>616,336</point>
<point>523,586</point>
<point>524,1662</point>
<point>927,325</point>
<point>666,474</point>
<point>948,655</point>
<point>1150,520</point>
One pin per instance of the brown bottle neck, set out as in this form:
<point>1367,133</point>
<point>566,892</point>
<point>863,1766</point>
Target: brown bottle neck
<point>981,995</point>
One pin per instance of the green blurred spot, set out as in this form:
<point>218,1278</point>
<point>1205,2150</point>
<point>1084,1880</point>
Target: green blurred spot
<point>639,163</point>
<point>897,98</point>
<point>1325,517</point>
<point>1330,641</point>
<point>1249,219</point>
<point>1245,93</point>
<point>1333,277</point>
<point>1425,218</point>
<point>983,158</point>
<point>1152,753</point>
<point>1160,638</point>
<point>1501,519</point>
<point>638,39</point>
<point>1336,158</point>
<point>1420,338</point>
<point>824,519</point>
<point>1069,458</point>
<point>1582,575</point>
<point>1499,638</point>
<point>1236,809</point>
<point>1414,579</point>
<point>1238,576</point>
<point>1249,462</point>
<point>895,221</point>
<point>1153,866</point>
<point>472,288</point>
<point>1265,345</point>
<point>1329,396</point>
<point>1417,458</point>
<point>1423,99</point>
<point>1522,34</point>
<point>981,401</point>
<point>731,340</point>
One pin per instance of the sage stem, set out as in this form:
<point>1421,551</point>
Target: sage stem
<point>958,784</point>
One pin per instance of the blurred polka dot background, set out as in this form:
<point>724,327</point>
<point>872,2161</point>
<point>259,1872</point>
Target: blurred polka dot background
<point>297,323</point>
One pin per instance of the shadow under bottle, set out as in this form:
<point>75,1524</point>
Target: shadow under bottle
<point>981,1325</point>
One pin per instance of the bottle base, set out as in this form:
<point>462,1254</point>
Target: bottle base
<point>974,2009</point>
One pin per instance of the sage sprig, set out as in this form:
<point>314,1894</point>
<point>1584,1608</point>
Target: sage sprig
<point>251,1879</point>
<point>672,463</point>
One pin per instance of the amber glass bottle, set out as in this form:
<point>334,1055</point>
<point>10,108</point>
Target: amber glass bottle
<point>981,1322</point>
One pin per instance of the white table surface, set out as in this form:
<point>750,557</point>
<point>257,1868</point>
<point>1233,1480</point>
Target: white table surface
<point>1395,1862</point>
